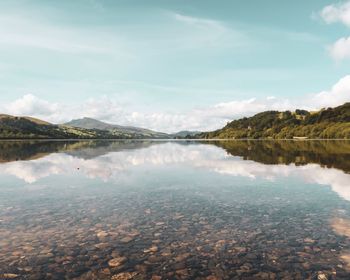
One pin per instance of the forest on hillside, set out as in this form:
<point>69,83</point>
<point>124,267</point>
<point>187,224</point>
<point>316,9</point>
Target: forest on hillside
<point>330,123</point>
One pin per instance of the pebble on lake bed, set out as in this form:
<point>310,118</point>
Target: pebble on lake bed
<point>322,276</point>
<point>8,276</point>
<point>124,276</point>
<point>159,233</point>
<point>102,234</point>
<point>153,249</point>
<point>127,239</point>
<point>117,262</point>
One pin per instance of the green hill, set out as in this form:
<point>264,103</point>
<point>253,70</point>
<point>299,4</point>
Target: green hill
<point>117,130</point>
<point>12,127</point>
<point>330,123</point>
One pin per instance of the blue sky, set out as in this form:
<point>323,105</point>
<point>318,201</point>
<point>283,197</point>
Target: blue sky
<point>171,65</point>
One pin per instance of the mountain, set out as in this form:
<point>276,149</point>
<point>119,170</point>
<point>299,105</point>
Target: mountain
<point>330,123</point>
<point>13,127</point>
<point>185,134</point>
<point>134,132</point>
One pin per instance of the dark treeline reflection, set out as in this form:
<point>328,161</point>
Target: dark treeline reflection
<point>29,150</point>
<point>329,153</point>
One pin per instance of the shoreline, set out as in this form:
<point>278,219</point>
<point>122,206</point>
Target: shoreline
<point>167,140</point>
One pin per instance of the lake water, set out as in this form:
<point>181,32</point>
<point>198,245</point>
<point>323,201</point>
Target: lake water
<point>175,210</point>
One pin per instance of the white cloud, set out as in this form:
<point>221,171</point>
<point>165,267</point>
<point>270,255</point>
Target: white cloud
<point>31,105</point>
<point>28,33</point>
<point>200,22</point>
<point>340,50</point>
<point>337,13</point>
<point>196,32</point>
<point>205,118</point>
<point>337,95</point>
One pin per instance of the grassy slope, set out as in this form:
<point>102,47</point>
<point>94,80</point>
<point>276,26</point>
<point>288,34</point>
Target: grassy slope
<point>329,123</point>
<point>133,132</point>
<point>12,127</point>
<point>30,128</point>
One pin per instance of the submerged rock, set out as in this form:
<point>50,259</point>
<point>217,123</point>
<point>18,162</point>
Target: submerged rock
<point>117,262</point>
<point>124,276</point>
<point>8,276</point>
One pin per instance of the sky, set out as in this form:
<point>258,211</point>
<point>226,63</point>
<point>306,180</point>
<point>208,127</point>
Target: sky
<point>171,65</point>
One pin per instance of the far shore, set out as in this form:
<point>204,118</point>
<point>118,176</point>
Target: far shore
<point>168,140</point>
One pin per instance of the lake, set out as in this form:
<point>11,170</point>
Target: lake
<point>175,210</point>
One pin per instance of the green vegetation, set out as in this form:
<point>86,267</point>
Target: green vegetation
<point>29,128</point>
<point>330,123</point>
<point>326,153</point>
<point>12,127</point>
<point>117,131</point>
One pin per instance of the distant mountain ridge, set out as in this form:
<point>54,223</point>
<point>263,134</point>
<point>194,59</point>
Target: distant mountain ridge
<point>89,123</point>
<point>185,134</point>
<point>330,123</point>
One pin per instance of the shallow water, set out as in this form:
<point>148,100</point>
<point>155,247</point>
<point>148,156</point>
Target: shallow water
<point>175,210</point>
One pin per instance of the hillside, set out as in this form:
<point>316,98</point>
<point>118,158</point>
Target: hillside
<point>330,123</point>
<point>34,120</point>
<point>118,130</point>
<point>12,127</point>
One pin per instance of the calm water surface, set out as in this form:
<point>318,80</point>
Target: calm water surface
<point>175,210</point>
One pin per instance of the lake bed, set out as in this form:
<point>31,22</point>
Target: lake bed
<point>175,210</point>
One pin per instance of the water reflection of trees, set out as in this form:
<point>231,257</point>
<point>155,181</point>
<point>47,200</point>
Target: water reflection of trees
<point>328,154</point>
<point>29,150</point>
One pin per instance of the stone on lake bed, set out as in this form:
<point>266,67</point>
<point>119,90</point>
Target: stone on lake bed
<point>8,276</point>
<point>102,246</point>
<point>182,272</point>
<point>126,239</point>
<point>309,240</point>
<point>27,269</point>
<point>322,276</point>
<point>105,271</point>
<point>45,251</point>
<point>102,234</point>
<point>124,276</point>
<point>116,261</point>
<point>212,277</point>
<point>153,249</point>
